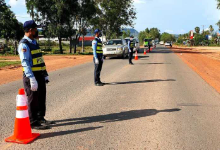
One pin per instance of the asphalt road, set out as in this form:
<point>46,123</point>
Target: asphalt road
<point>159,103</point>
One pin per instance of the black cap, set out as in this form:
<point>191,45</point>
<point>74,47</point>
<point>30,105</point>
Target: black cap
<point>131,36</point>
<point>30,24</point>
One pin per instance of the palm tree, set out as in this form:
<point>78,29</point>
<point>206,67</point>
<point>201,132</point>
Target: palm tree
<point>218,4</point>
<point>211,29</point>
<point>197,29</point>
<point>218,23</point>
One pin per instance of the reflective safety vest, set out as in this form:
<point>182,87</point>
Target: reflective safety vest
<point>37,56</point>
<point>99,49</point>
<point>146,43</point>
<point>132,44</point>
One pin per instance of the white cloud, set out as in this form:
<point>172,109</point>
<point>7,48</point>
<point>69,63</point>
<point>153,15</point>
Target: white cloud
<point>14,3</point>
<point>169,31</point>
<point>139,1</point>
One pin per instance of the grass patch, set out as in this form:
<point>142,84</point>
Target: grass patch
<point>9,63</point>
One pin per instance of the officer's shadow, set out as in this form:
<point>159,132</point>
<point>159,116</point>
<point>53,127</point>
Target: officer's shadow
<point>143,81</point>
<point>108,118</point>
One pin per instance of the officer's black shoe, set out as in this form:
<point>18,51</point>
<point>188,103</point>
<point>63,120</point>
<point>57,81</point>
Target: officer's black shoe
<point>99,84</point>
<point>131,63</point>
<point>102,83</point>
<point>39,126</point>
<point>46,122</point>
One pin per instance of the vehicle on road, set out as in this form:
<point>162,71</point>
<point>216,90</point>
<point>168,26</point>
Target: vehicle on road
<point>168,43</point>
<point>137,48</point>
<point>116,48</point>
<point>161,42</point>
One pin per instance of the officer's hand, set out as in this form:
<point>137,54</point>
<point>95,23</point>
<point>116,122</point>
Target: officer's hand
<point>34,84</point>
<point>96,61</point>
<point>47,79</point>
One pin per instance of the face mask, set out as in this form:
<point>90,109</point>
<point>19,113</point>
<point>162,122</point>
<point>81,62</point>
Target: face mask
<point>131,39</point>
<point>36,34</point>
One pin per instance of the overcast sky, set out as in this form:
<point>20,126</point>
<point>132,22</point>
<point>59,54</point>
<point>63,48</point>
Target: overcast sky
<point>173,16</point>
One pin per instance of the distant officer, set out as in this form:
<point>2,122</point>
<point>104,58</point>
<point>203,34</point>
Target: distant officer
<point>98,57</point>
<point>131,46</point>
<point>149,45</point>
<point>35,76</point>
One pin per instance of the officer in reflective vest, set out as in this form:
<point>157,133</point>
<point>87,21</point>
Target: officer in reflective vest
<point>98,57</point>
<point>131,46</point>
<point>35,76</point>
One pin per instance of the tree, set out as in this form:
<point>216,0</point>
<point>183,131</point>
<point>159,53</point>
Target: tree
<point>197,29</point>
<point>112,15</point>
<point>85,13</point>
<point>11,29</point>
<point>211,29</point>
<point>54,13</point>
<point>167,37</point>
<point>126,34</point>
<point>155,33</point>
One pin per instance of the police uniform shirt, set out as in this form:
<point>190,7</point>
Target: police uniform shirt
<point>94,46</point>
<point>129,41</point>
<point>25,57</point>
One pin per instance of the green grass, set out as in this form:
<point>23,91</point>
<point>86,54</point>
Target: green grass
<point>9,63</point>
<point>54,50</point>
<point>3,59</point>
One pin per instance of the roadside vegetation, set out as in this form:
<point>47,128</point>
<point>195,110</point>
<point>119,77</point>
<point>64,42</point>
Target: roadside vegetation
<point>67,20</point>
<point>9,63</point>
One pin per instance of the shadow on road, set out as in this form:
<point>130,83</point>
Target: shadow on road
<point>144,81</point>
<point>114,117</point>
<point>151,63</point>
<point>60,133</point>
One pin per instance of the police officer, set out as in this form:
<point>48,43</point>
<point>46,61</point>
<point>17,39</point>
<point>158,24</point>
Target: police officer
<point>98,57</point>
<point>131,46</point>
<point>35,76</point>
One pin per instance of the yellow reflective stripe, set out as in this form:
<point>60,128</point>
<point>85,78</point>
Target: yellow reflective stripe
<point>37,68</point>
<point>99,52</point>
<point>99,48</point>
<point>37,61</point>
<point>36,51</point>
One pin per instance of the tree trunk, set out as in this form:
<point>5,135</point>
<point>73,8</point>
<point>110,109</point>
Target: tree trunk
<point>16,48</point>
<point>75,43</point>
<point>60,45</point>
<point>71,41</point>
<point>83,44</point>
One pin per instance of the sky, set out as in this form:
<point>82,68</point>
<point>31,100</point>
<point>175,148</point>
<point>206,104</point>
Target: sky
<point>172,16</point>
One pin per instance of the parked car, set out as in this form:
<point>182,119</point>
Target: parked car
<point>161,42</point>
<point>116,48</point>
<point>168,43</point>
<point>137,43</point>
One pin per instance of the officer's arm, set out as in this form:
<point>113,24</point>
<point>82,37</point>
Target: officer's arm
<point>94,47</point>
<point>24,53</point>
<point>129,45</point>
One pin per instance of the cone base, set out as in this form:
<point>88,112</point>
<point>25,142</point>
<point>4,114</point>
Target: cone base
<point>13,139</point>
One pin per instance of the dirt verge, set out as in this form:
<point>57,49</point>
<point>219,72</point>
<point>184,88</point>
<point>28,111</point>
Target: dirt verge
<point>205,61</point>
<point>13,73</point>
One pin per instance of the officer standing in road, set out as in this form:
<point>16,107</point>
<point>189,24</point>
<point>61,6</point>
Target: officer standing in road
<point>35,76</point>
<point>98,57</point>
<point>131,46</point>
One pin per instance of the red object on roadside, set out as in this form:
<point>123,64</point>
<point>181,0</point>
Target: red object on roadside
<point>22,127</point>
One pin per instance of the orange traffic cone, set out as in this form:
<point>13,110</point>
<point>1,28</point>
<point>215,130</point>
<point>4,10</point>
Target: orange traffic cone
<point>136,56</point>
<point>22,128</point>
<point>145,51</point>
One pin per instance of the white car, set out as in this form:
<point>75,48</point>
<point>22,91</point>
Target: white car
<point>115,48</point>
<point>168,43</point>
<point>161,42</point>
